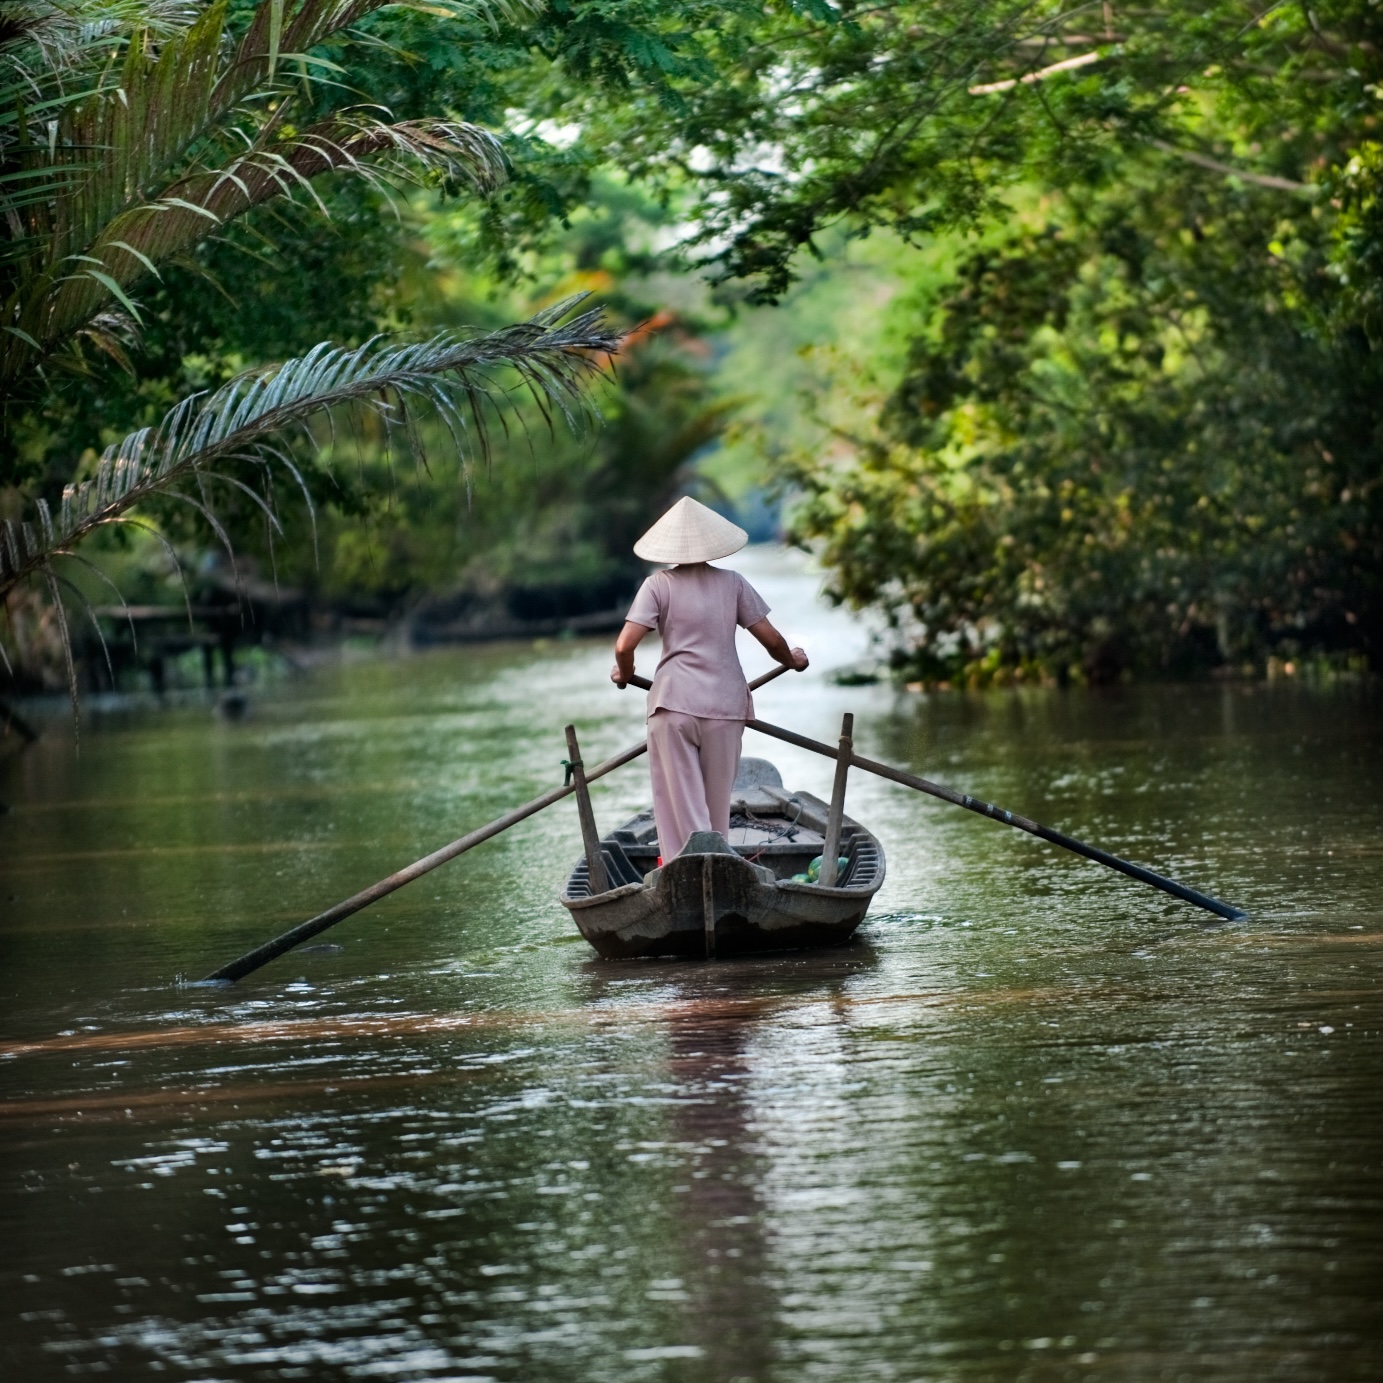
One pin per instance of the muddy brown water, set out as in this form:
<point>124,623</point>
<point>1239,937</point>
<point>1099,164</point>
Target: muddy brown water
<point>1038,1122</point>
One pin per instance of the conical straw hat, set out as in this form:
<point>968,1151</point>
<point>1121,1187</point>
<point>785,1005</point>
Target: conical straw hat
<point>689,532</point>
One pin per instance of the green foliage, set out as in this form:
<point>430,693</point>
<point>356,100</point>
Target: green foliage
<point>834,320</point>
<point>199,119</point>
<point>245,297</point>
<point>210,288</point>
<point>553,510</point>
<point>784,122</point>
<point>547,528</point>
<point>1140,424</point>
<point>1092,454</point>
<point>194,130</point>
<point>1358,261</point>
<point>1121,441</point>
<point>206,443</point>
<point>552,513</point>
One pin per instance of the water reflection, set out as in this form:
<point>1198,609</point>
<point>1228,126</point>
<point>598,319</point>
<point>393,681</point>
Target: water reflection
<point>711,1017</point>
<point>732,1310</point>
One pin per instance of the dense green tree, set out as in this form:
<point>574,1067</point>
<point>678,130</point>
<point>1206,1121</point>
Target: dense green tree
<point>189,250</point>
<point>129,132</point>
<point>1140,424</point>
<point>1121,440</point>
<point>783,121</point>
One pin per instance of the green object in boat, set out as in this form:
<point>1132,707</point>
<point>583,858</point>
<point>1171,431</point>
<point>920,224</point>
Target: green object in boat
<point>813,874</point>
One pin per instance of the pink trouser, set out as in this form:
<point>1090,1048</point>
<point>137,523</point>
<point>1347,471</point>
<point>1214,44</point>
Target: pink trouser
<point>692,762</point>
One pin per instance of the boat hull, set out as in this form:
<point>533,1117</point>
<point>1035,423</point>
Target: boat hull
<point>717,900</point>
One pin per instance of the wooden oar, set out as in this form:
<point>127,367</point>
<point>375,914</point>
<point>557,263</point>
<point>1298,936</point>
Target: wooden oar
<point>262,955</point>
<point>974,804</point>
<point>1023,823</point>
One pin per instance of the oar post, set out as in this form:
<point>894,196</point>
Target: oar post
<point>830,851</point>
<point>590,837</point>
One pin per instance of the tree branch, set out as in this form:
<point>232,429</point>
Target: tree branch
<point>1215,166</point>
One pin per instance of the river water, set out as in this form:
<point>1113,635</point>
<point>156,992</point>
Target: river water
<point>1038,1122</point>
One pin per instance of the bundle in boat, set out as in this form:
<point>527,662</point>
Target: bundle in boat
<point>735,896</point>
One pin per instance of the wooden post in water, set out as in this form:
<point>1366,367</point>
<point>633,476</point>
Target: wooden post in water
<point>590,837</point>
<point>830,851</point>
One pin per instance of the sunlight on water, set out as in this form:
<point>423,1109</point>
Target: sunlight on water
<point>1038,1122</point>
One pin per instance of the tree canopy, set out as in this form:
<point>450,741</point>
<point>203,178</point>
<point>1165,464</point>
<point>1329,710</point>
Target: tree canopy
<point>1140,423</point>
<point>1136,420</point>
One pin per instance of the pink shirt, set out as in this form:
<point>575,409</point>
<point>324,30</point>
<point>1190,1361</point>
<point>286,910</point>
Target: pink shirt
<point>696,609</point>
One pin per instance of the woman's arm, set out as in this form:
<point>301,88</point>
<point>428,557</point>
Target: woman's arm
<point>776,645</point>
<point>629,639</point>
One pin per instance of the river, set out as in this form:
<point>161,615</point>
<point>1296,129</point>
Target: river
<point>1037,1122</point>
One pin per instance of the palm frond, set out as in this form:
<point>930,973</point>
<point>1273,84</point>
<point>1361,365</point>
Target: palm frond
<point>53,57</point>
<point>49,36</point>
<point>132,244</point>
<point>451,375</point>
<point>191,134</point>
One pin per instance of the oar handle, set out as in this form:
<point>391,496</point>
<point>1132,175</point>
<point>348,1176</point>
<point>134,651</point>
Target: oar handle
<point>643,684</point>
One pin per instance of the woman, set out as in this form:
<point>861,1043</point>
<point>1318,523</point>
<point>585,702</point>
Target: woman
<point>699,701</point>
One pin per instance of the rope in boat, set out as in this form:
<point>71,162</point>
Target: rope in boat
<point>746,818</point>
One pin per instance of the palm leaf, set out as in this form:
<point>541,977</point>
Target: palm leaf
<point>452,375</point>
<point>144,168</point>
<point>131,244</point>
<point>53,57</point>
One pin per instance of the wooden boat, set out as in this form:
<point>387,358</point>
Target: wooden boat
<point>728,897</point>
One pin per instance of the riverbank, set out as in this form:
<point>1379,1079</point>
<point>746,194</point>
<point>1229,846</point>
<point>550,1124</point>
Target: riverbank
<point>786,576</point>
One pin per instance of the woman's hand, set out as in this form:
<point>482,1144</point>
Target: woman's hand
<point>777,646</point>
<point>617,677</point>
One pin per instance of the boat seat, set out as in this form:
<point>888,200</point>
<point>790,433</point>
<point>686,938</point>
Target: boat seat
<point>752,799</point>
<point>639,831</point>
<point>620,868</point>
<point>756,773</point>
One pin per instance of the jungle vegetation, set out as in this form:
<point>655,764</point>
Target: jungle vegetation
<point>1138,425</point>
<point>1122,413</point>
